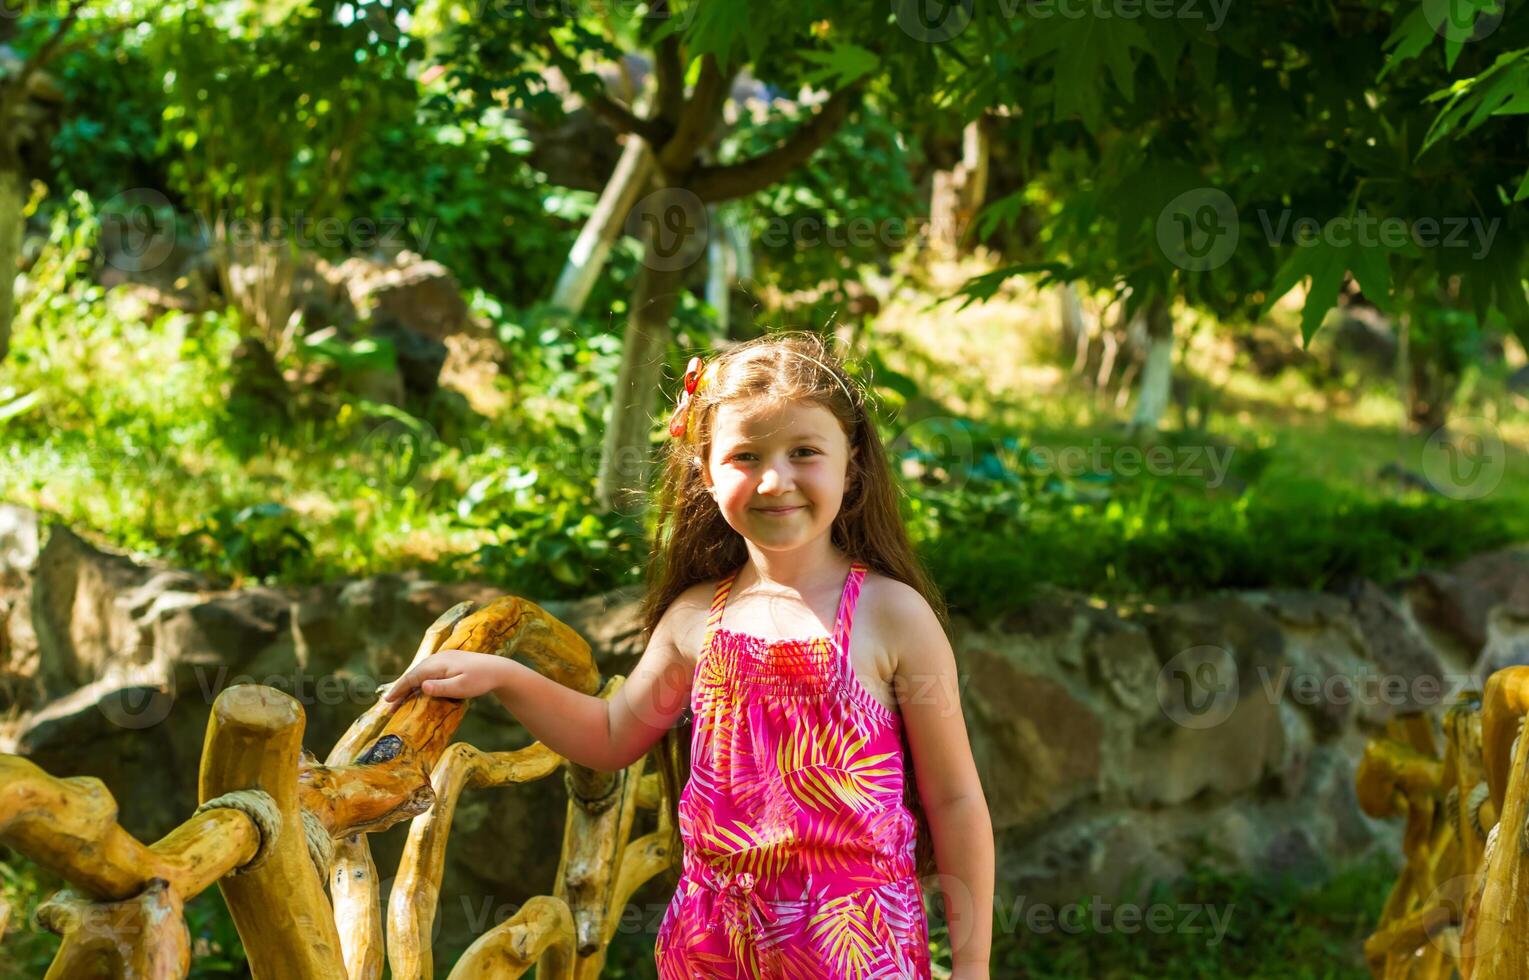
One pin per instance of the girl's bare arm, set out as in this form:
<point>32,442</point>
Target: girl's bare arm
<point>608,734</point>
<point>928,690</point>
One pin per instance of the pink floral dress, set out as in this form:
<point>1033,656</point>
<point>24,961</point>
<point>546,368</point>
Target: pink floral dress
<point>798,848</point>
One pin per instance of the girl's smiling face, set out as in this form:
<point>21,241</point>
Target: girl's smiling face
<point>777,470</point>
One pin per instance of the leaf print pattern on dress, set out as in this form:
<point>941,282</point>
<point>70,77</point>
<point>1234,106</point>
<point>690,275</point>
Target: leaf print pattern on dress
<point>798,857</point>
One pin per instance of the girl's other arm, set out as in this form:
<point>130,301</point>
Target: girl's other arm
<point>928,690</point>
<point>600,733</point>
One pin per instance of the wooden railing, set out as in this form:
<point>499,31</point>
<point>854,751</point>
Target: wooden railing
<point>1460,906</point>
<point>275,826</point>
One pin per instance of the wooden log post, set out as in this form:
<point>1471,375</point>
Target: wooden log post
<point>599,822</point>
<point>357,913</point>
<point>1495,942</point>
<point>641,859</point>
<point>284,919</point>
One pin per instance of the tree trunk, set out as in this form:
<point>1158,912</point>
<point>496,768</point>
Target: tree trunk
<point>974,167</point>
<point>1074,331</point>
<point>720,271</point>
<point>958,193</point>
<point>587,258</point>
<point>1431,389</point>
<point>622,481</point>
<point>1157,373</point>
<point>12,203</point>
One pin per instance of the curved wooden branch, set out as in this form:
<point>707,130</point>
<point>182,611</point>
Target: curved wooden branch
<point>357,915</point>
<point>698,119</point>
<point>254,737</point>
<point>417,888</point>
<point>390,780</point>
<point>1390,774</point>
<point>70,827</point>
<point>641,860</point>
<point>365,729</point>
<point>1503,705</point>
<point>1495,942</point>
<point>541,931</point>
<point>723,183</point>
<point>1455,909</point>
<point>650,794</point>
<point>599,823</point>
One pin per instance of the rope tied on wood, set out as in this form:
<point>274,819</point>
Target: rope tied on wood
<point>266,816</point>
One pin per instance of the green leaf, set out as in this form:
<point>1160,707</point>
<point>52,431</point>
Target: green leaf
<point>1410,39</point>
<point>1325,264</point>
<point>841,66</point>
<point>717,29</point>
<point>984,287</point>
<point>1088,49</point>
<point>1499,89</point>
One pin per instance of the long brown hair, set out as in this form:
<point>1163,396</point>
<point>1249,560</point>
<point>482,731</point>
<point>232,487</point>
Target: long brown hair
<point>694,543</point>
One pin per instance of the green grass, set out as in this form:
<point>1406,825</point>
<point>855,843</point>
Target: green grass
<point>1208,927</point>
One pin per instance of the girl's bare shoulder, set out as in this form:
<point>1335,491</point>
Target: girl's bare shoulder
<point>884,609</point>
<point>687,615</point>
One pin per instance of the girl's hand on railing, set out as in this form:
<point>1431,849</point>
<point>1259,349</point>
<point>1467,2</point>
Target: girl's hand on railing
<point>450,674</point>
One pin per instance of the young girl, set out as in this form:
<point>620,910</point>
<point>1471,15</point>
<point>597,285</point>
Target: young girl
<point>804,832</point>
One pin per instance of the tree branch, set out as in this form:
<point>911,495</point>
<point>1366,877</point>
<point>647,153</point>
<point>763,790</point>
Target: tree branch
<point>740,179</point>
<point>15,90</point>
<point>624,120</point>
<point>698,121</point>
<point>669,70</point>
<point>620,118</point>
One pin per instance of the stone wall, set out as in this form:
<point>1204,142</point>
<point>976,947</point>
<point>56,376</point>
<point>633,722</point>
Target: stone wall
<point>1116,745</point>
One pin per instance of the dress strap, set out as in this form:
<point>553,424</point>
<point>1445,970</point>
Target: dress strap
<point>846,616</point>
<point>718,603</point>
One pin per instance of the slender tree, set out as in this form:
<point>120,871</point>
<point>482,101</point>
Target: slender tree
<point>821,49</point>
<point>44,37</point>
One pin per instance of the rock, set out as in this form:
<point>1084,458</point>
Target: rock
<point>1045,742</point>
<point>256,387</point>
<point>1366,334</point>
<point>1507,642</point>
<point>420,358</point>
<point>414,293</point>
<point>1450,607</point>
